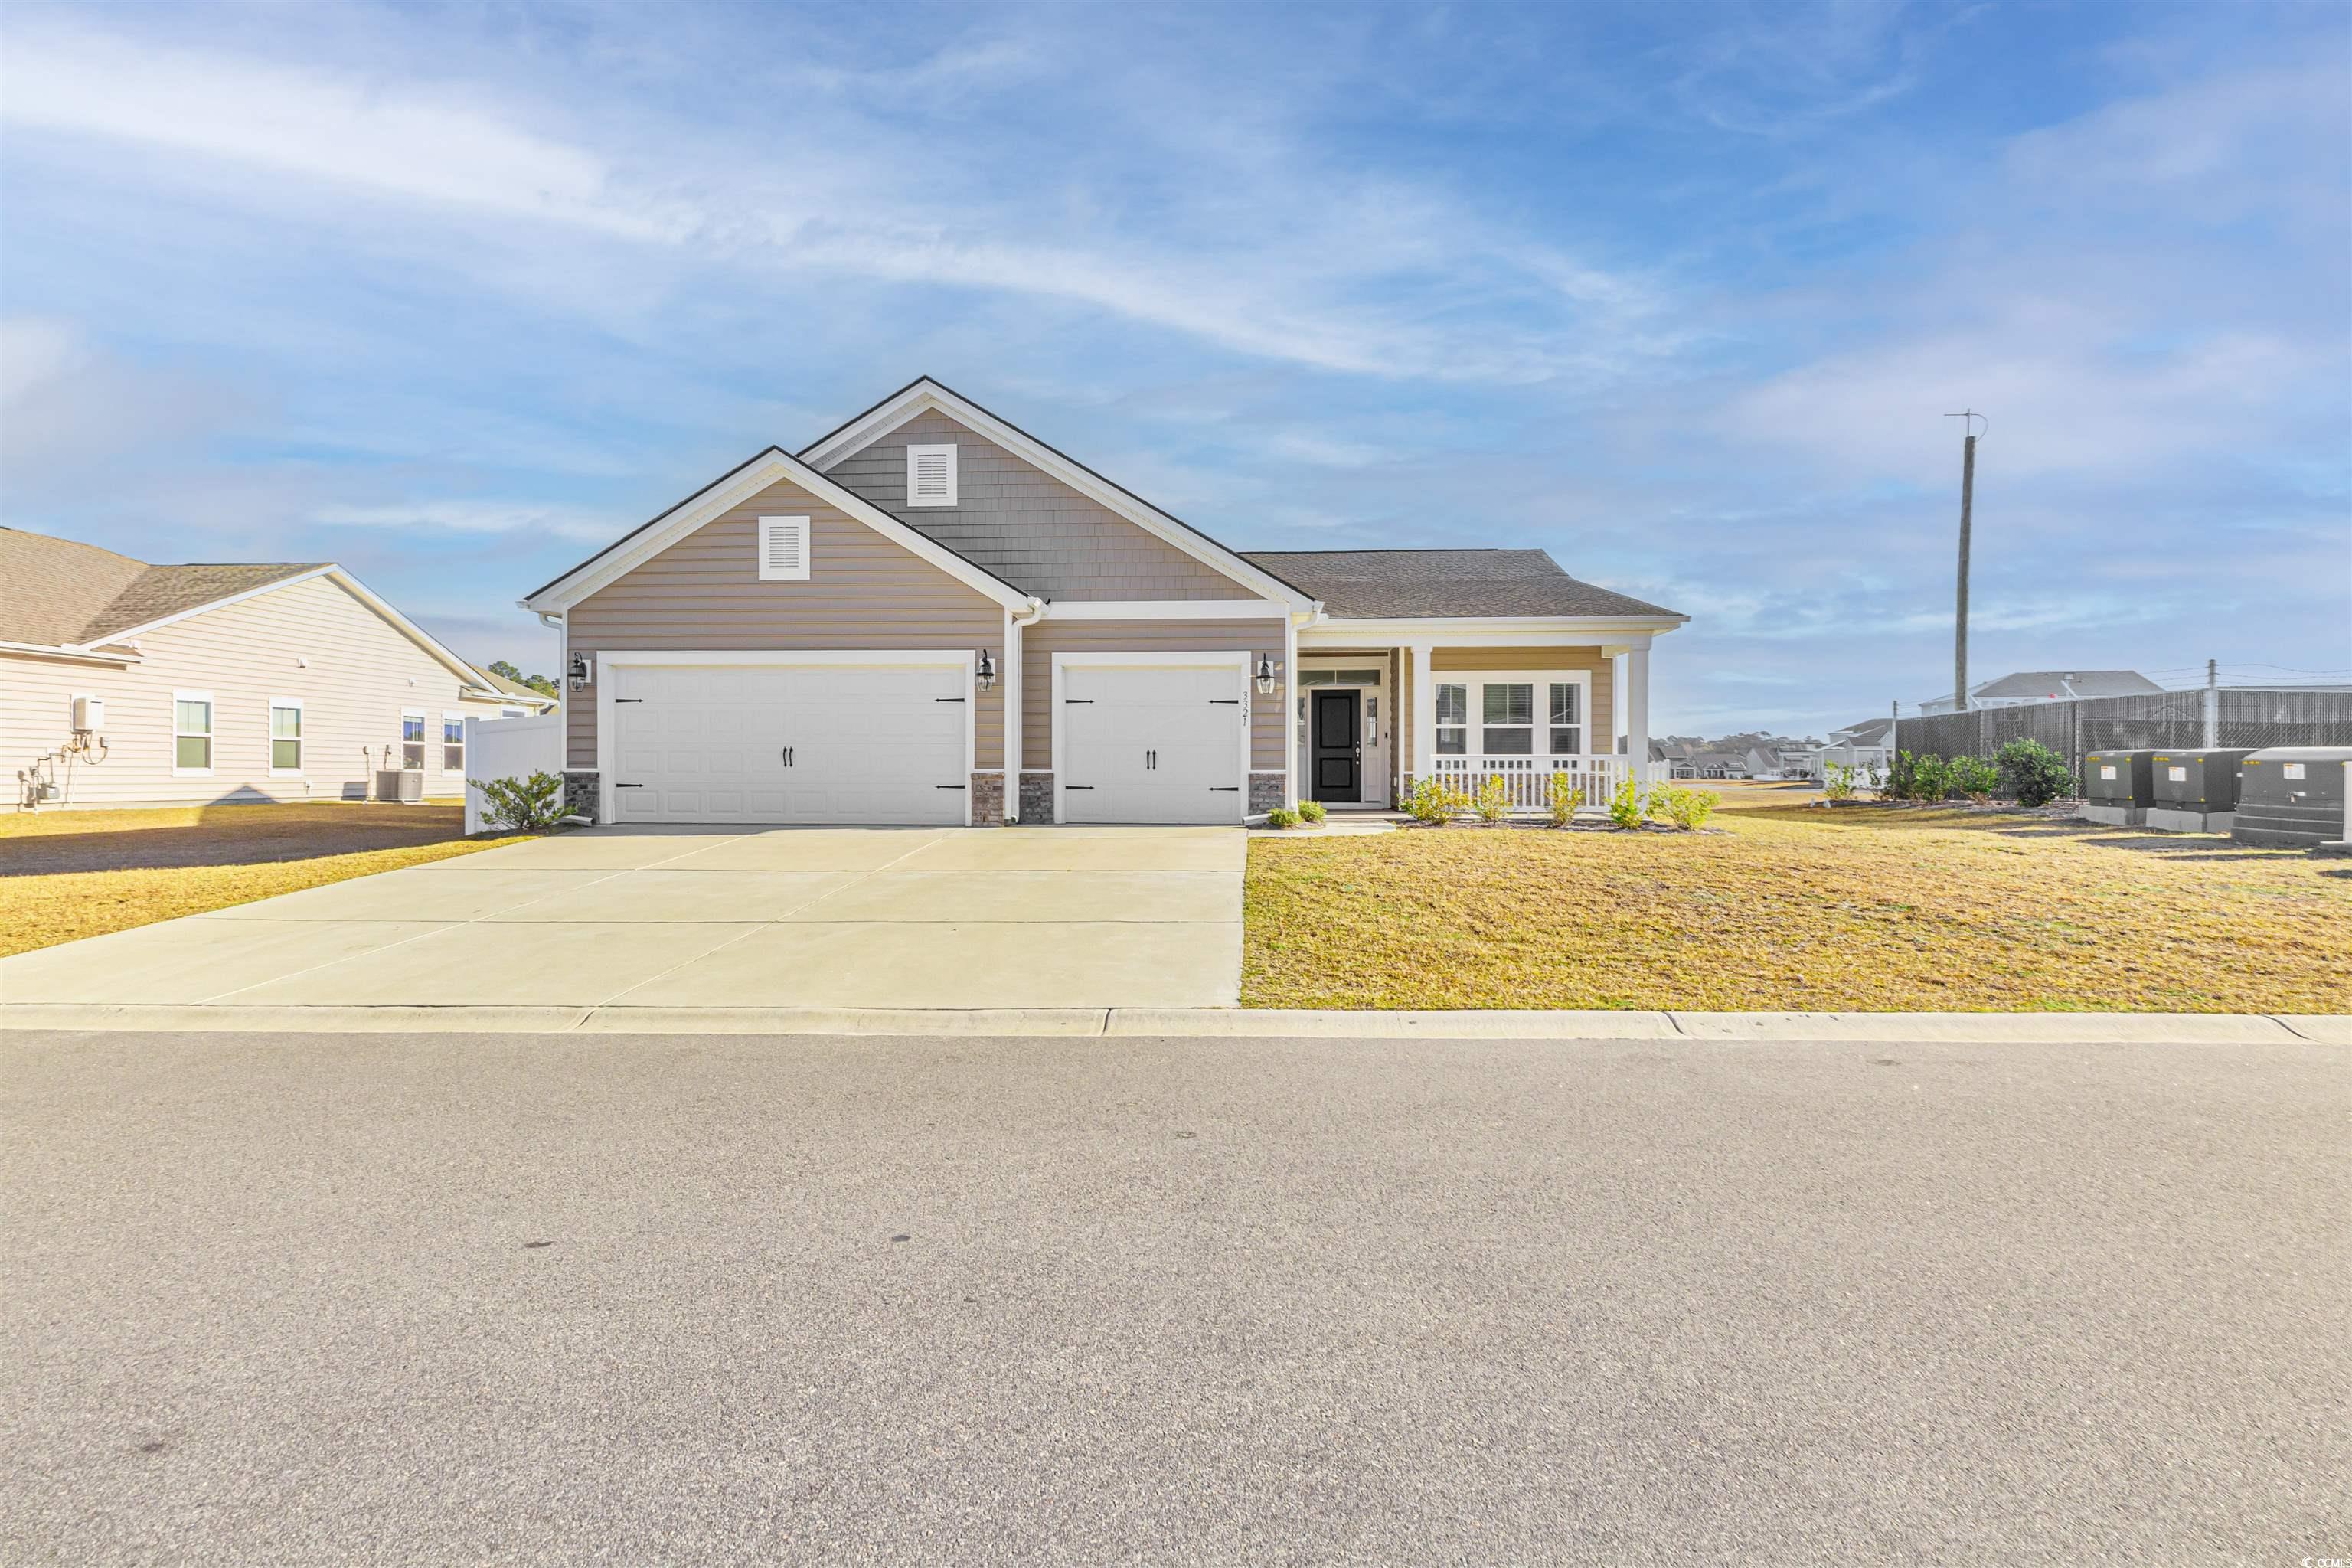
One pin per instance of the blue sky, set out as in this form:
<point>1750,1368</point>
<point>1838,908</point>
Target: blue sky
<point>1677,292</point>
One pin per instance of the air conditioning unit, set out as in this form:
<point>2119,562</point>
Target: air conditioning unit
<point>405,786</point>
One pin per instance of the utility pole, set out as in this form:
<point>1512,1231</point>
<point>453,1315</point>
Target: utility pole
<point>1960,703</point>
<point>2212,703</point>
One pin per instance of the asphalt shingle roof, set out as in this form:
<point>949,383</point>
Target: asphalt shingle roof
<point>1364,584</point>
<point>57,591</point>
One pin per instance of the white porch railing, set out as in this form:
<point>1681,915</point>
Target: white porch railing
<point>1528,779</point>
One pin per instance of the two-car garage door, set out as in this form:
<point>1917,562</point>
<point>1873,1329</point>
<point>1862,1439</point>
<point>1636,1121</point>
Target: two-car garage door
<point>838,743</point>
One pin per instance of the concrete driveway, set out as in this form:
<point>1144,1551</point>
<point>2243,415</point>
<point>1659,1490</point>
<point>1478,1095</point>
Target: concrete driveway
<point>1037,917</point>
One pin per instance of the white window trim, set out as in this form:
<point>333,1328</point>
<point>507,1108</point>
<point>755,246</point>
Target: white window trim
<point>301,742</point>
<point>212,735</point>
<point>460,769</point>
<point>913,450</point>
<point>1437,722</point>
<point>769,525</point>
<point>1477,681</point>
<point>420,716</point>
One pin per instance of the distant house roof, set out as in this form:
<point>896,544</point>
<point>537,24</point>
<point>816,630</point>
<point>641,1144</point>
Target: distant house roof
<point>61,593</point>
<point>2056,685</point>
<point>1868,733</point>
<point>1363,585</point>
<point>498,682</point>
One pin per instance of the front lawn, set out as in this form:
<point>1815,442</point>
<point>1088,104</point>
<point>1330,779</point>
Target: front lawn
<point>1797,909</point>
<point>70,874</point>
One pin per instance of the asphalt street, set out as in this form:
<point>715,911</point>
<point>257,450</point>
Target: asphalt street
<point>592,1298</point>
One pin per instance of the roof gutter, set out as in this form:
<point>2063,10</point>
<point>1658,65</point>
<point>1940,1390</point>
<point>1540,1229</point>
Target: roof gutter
<point>68,653</point>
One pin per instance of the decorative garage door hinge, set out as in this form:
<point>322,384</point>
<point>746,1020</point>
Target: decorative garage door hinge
<point>628,786</point>
<point>1085,700</point>
<point>1224,789</point>
<point>948,786</point>
<point>628,700</point>
<point>947,699</point>
<point>1078,787</point>
<point>1224,701</point>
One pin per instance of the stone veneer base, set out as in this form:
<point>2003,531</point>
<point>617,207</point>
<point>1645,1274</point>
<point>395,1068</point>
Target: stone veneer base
<point>988,799</point>
<point>580,793</point>
<point>1036,798</point>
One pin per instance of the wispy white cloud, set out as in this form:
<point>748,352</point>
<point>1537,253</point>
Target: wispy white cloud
<point>476,517</point>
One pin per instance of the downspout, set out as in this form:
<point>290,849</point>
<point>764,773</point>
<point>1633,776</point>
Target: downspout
<point>1015,700</point>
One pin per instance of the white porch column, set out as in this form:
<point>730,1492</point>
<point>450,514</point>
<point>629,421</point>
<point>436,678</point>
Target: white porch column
<point>1008,678</point>
<point>1637,708</point>
<point>1424,710</point>
<point>1285,691</point>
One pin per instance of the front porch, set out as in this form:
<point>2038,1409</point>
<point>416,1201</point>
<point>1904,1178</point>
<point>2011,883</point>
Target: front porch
<point>1371,718</point>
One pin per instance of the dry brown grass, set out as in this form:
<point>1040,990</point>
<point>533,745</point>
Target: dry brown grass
<point>67,874</point>
<point>1793,907</point>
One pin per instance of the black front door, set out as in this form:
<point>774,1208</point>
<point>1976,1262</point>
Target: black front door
<point>1338,767</point>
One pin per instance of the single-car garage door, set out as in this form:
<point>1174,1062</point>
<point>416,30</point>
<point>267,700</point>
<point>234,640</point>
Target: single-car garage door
<point>790,743</point>
<point>1152,742</point>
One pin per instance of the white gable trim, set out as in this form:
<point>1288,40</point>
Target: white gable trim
<point>342,579</point>
<point>772,466</point>
<point>927,394</point>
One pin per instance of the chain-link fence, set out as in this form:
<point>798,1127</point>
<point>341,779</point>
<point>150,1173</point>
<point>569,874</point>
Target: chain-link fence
<point>2242,716</point>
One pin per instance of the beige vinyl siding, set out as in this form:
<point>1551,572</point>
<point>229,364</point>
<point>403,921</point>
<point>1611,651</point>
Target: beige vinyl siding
<point>863,590</point>
<point>1025,525</point>
<point>1269,730</point>
<point>1601,725</point>
<point>362,672</point>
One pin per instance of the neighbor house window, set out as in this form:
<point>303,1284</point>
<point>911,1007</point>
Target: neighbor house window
<point>1567,719</point>
<point>284,735</point>
<point>412,739</point>
<point>191,731</point>
<point>1510,719</point>
<point>1453,720</point>
<point>453,743</point>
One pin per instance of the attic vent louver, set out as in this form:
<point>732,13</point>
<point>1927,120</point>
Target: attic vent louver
<point>783,548</point>
<point>931,476</point>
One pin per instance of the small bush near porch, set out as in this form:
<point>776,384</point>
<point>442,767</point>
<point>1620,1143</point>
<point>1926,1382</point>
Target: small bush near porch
<point>1797,907</point>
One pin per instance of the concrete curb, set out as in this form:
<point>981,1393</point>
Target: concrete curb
<point>2020,1028</point>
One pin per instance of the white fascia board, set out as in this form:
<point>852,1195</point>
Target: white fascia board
<point>65,654</point>
<point>358,590</point>
<point>775,466</point>
<point>1487,631</point>
<point>1164,610</point>
<point>927,394</point>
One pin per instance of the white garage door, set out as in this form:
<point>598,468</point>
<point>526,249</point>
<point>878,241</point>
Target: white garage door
<point>790,743</point>
<point>1152,744</point>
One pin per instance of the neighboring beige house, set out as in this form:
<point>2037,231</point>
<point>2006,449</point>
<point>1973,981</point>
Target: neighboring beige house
<point>2029,686</point>
<point>929,601</point>
<point>126,684</point>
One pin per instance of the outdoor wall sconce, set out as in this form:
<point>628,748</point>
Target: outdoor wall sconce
<point>987,669</point>
<point>1265,668</point>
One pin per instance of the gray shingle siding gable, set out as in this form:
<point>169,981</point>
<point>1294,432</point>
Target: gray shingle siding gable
<point>1025,526</point>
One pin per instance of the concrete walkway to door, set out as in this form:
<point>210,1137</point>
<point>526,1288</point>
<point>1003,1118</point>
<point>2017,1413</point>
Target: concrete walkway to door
<point>948,918</point>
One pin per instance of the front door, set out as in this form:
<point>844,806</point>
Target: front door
<point>1338,754</point>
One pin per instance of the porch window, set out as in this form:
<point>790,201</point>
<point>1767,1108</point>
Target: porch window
<point>1567,719</point>
<point>1453,720</point>
<point>1510,719</point>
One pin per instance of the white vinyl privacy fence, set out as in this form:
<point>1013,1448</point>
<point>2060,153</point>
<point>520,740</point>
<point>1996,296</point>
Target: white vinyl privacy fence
<point>509,749</point>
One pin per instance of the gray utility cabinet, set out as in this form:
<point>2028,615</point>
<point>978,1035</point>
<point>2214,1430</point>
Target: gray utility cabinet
<point>2117,787</point>
<point>2291,797</point>
<point>2194,791</point>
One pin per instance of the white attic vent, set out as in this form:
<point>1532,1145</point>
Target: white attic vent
<point>783,548</point>
<point>931,476</point>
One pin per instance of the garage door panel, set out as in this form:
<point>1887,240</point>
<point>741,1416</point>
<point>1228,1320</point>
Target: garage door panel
<point>868,744</point>
<point>1152,744</point>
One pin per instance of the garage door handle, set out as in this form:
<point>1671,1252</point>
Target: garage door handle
<point>788,756</point>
